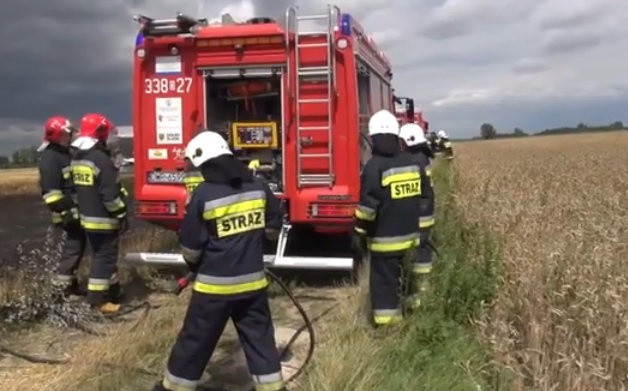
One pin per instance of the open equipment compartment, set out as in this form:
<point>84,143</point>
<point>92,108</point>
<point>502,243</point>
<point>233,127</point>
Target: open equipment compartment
<point>247,111</point>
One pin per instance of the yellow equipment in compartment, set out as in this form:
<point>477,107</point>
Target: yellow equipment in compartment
<point>254,135</point>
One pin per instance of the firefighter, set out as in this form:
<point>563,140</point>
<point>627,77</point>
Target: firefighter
<point>433,142</point>
<point>387,215</point>
<point>192,179</point>
<point>59,195</point>
<point>416,144</point>
<point>445,145</point>
<point>221,238</point>
<point>102,208</point>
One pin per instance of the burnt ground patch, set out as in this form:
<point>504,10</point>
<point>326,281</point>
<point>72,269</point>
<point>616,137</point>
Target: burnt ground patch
<point>24,221</point>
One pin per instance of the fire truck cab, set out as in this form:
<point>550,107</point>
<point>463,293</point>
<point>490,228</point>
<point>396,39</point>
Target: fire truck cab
<point>292,102</point>
<point>408,114</point>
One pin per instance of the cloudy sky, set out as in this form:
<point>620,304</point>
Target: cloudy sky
<point>515,63</point>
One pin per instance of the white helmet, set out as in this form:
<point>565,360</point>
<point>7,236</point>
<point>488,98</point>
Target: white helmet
<point>442,134</point>
<point>412,134</point>
<point>383,122</point>
<point>205,146</point>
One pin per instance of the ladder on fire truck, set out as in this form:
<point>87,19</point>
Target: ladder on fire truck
<point>325,73</point>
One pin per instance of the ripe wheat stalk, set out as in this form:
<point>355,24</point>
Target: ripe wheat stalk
<point>561,206</point>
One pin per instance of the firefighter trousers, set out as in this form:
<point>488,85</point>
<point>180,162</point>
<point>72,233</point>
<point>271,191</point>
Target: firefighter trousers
<point>204,323</point>
<point>71,255</point>
<point>423,263</point>
<point>385,288</point>
<point>421,268</point>
<point>103,285</point>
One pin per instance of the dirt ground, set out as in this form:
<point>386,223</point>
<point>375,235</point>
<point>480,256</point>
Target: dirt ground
<point>25,222</point>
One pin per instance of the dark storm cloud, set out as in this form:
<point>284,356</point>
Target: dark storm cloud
<point>64,56</point>
<point>570,42</point>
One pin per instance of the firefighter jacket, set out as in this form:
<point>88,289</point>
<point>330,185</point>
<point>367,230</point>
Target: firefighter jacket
<point>56,183</point>
<point>222,236</point>
<point>444,143</point>
<point>101,197</point>
<point>192,179</point>
<point>389,203</point>
<point>426,203</point>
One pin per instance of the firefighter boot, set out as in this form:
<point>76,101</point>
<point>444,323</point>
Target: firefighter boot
<point>68,289</point>
<point>420,285</point>
<point>108,308</point>
<point>159,387</point>
<point>115,293</point>
<point>74,290</point>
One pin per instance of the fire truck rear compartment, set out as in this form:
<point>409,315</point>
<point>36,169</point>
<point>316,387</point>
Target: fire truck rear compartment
<point>247,111</point>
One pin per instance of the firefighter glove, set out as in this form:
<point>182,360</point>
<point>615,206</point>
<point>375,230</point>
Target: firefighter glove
<point>68,218</point>
<point>193,266</point>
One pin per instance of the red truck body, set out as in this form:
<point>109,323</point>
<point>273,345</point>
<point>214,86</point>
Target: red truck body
<point>409,114</point>
<point>297,101</point>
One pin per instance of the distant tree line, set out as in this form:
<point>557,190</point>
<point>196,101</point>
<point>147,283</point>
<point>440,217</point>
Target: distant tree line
<point>23,157</point>
<point>488,131</point>
<point>27,157</point>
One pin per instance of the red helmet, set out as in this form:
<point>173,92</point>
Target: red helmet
<point>54,129</point>
<point>97,126</point>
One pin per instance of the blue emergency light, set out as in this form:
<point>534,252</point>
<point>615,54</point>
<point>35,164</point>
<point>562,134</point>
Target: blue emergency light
<point>139,39</point>
<point>345,24</point>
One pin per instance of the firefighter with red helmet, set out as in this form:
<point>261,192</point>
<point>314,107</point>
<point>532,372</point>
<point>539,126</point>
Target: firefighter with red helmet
<point>102,208</point>
<point>387,214</point>
<point>60,197</point>
<point>416,144</point>
<point>221,238</point>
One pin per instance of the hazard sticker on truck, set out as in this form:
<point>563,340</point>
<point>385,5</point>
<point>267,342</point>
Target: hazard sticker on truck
<point>169,120</point>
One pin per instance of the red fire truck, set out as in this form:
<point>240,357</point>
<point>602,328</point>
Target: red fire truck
<point>408,114</point>
<point>295,102</point>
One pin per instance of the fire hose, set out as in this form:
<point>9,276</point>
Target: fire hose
<point>183,282</point>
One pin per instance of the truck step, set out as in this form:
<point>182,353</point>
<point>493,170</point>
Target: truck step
<point>313,17</point>
<point>271,261</point>
<point>305,128</point>
<point>313,71</point>
<point>316,179</point>
<point>313,155</point>
<point>322,100</point>
<point>313,45</point>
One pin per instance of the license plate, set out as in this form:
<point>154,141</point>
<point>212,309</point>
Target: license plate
<point>166,177</point>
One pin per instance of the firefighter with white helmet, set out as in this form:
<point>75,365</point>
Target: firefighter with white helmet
<point>102,208</point>
<point>444,144</point>
<point>387,214</point>
<point>221,237</point>
<point>416,144</point>
<point>60,197</point>
<point>192,177</point>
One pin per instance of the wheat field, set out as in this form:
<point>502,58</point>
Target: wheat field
<point>19,181</point>
<point>561,205</point>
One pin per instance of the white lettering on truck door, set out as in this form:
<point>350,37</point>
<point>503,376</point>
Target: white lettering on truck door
<point>162,85</point>
<point>169,120</point>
